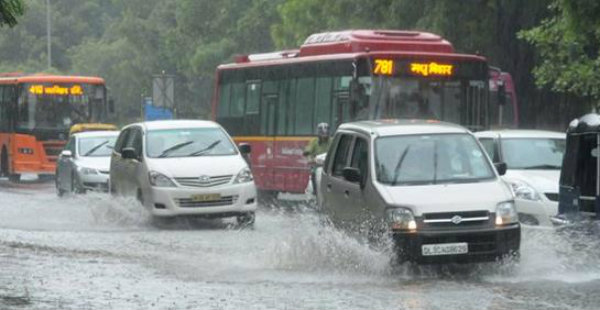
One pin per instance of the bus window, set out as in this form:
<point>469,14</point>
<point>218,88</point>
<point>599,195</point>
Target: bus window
<point>303,105</point>
<point>237,100</point>
<point>252,119</point>
<point>287,92</point>
<point>451,105</point>
<point>2,108</point>
<point>323,101</point>
<point>224,97</point>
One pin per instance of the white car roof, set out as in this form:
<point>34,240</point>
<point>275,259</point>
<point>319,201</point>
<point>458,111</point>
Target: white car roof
<point>521,133</point>
<point>96,133</point>
<point>175,124</point>
<point>403,127</point>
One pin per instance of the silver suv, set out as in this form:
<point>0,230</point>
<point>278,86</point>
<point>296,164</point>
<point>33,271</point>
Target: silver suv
<point>429,184</point>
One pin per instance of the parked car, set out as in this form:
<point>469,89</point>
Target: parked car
<point>84,163</point>
<point>427,183</point>
<point>184,168</point>
<point>533,159</point>
<point>580,173</point>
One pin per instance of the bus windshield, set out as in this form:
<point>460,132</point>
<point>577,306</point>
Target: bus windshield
<point>457,101</point>
<point>57,107</point>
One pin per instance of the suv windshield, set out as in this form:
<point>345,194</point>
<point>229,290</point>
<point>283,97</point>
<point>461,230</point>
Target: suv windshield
<point>96,146</point>
<point>430,159</point>
<point>533,153</point>
<point>185,142</point>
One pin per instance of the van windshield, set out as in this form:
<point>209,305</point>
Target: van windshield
<point>430,159</point>
<point>188,142</point>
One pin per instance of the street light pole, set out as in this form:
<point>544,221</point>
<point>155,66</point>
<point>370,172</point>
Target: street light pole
<point>48,34</point>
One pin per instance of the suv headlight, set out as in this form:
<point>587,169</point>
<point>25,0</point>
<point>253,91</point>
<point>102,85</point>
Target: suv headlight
<point>245,175</point>
<point>87,171</point>
<point>524,191</point>
<point>506,213</point>
<point>160,180</point>
<point>401,219</point>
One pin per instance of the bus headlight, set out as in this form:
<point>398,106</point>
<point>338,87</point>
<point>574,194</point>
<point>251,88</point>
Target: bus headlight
<point>506,213</point>
<point>401,219</point>
<point>25,150</point>
<point>245,175</point>
<point>160,180</point>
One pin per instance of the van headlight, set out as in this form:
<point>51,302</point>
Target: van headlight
<point>87,171</point>
<point>245,175</point>
<point>523,190</point>
<point>401,219</point>
<point>506,213</point>
<point>160,180</point>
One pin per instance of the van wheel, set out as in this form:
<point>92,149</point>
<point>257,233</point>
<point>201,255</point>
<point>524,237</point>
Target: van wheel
<point>246,219</point>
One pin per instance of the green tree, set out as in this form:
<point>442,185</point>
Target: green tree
<point>9,11</point>
<point>568,45</point>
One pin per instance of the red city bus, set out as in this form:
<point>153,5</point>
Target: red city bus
<point>36,112</point>
<point>274,101</point>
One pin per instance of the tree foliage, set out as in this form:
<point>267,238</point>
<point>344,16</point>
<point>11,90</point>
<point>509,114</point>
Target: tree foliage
<point>568,43</point>
<point>9,11</point>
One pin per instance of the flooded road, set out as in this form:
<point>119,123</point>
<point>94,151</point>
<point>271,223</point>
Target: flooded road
<point>96,252</point>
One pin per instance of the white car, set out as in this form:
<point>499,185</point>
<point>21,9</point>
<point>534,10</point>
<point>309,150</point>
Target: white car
<point>184,168</point>
<point>84,163</point>
<point>533,159</point>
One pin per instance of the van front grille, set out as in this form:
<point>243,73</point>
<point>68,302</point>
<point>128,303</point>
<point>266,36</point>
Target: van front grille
<point>204,181</point>
<point>190,203</point>
<point>456,218</point>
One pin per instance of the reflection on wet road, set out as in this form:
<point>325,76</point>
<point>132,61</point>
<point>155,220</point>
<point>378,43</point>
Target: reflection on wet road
<point>97,252</point>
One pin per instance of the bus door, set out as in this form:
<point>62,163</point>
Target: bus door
<point>265,164</point>
<point>341,109</point>
<point>475,106</point>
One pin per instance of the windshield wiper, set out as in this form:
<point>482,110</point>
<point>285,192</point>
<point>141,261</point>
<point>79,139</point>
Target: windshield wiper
<point>175,148</point>
<point>544,166</point>
<point>208,148</point>
<point>95,148</point>
<point>397,169</point>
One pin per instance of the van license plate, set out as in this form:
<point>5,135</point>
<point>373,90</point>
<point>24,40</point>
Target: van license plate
<point>445,249</point>
<point>206,197</point>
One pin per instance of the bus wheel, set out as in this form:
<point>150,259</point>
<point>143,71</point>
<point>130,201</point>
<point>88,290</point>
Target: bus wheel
<point>4,162</point>
<point>15,178</point>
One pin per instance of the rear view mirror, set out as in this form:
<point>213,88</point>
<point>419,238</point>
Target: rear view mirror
<point>66,154</point>
<point>501,168</point>
<point>351,174</point>
<point>245,148</point>
<point>129,153</point>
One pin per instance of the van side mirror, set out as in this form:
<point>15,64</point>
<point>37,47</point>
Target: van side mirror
<point>501,168</point>
<point>351,174</point>
<point>66,154</point>
<point>129,153</point>
<point>245,148</point>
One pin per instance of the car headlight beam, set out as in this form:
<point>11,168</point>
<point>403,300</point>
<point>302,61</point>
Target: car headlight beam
<point>506,213</point>
<point>401,219</point>
<point>245,175</point>
<point>524,191</point>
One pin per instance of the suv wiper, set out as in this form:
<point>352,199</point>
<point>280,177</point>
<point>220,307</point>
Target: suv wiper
<point>544,166</point>
<point>175,148</point>
<point>95,148</point>
<point>208,148</point>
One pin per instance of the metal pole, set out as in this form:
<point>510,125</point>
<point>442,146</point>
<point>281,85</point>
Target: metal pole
<point>48,34</point>
<point>597,167</point>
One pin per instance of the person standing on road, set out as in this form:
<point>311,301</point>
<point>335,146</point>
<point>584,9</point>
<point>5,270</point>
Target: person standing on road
<point>316,146</point>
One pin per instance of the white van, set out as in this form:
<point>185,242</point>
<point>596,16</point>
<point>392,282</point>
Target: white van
<point>184,168</point>
<point>429,184</point>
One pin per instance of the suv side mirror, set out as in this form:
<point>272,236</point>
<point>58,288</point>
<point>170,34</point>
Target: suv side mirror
<point>129,153</point>
<point>245,148</point>
<point>66,154</point>
<point>501,168</point>
<point>351,174</point>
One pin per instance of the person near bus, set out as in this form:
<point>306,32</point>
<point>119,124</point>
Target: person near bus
<point>316,146</point>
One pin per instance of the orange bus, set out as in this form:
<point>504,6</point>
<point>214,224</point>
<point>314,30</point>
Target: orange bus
<point>36,113</point>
